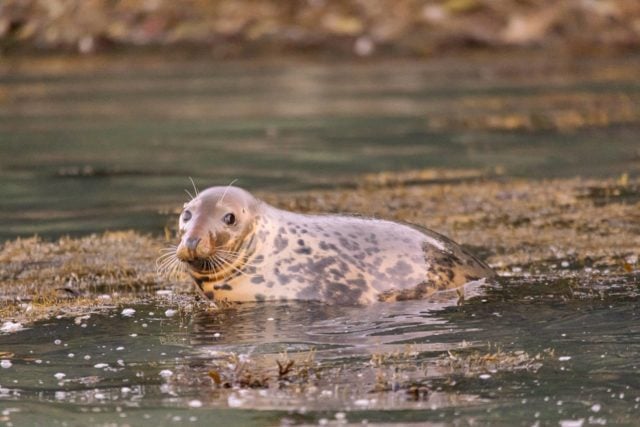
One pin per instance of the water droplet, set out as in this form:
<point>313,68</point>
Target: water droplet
<point>195,404</point>
<point>10,326</point>
<point>165,373</point>
<point>128,312</point>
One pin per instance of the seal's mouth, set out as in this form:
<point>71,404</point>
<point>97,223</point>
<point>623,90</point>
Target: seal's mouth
<point>198,264</point>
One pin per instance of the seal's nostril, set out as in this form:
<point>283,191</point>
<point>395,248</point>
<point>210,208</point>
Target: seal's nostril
<point>192,243</point>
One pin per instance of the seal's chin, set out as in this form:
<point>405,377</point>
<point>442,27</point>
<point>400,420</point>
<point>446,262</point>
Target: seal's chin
<point>198,264</point>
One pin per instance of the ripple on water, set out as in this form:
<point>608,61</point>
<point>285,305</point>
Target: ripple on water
<point>311,360</point>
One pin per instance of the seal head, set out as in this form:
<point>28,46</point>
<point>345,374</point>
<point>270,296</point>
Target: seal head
<point>214,227</point>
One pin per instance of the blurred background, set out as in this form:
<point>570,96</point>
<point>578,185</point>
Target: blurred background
<point>108,107</point>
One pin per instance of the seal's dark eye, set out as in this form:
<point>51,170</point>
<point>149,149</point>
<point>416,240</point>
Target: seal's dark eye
<point>229,219</point>
<point>186,216</point>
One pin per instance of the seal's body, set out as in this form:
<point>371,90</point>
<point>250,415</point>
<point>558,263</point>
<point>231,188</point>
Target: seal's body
<point>238,248</point>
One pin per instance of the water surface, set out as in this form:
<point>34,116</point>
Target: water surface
<point>109,143</point>
<point>383,363</point>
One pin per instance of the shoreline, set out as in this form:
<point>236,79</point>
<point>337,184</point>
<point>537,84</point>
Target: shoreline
<point>531,232</point>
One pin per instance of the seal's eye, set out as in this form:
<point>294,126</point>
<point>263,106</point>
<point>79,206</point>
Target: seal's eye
<point>186,216</point>
<point>229,219</point>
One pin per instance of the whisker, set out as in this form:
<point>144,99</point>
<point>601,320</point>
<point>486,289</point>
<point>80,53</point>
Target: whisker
<point>169,266</point>
<point>161,263</point>
<point>244,258</point>
<point>190,195</point>
<point>234,253</point>
<point>165,256</point>
<point>207,265</point>
<point>227,189</point>
<point>233,267</point>
<point>195,189</point>
<point>178,269</point>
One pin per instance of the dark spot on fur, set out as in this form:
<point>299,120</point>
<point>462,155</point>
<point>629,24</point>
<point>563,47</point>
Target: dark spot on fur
<point>283,278</point>
<point>400,269</point>
<point>342,293</point>
<point>223,287</point>
<point>336,273</point>
<point>295,268</point>
<point>450,274</point>
<point>280,243</point>
<point>303,250</point>
<point>260,297</point>
<point>359,283</point>
<point>208,294</point>
<point>350,245</point>
<point>257,279</point>
<point>321,265</point>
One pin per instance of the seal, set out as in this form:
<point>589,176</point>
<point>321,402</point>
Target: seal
<point>239,248</point>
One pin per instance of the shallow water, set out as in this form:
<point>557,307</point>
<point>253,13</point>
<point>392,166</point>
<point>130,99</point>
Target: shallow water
<point>113,364</point>
<point>109,143</point>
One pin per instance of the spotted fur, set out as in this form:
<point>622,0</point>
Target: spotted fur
<point>336,259</point>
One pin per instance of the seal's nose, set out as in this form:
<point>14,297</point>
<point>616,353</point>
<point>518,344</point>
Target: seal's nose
<point>192,243</point>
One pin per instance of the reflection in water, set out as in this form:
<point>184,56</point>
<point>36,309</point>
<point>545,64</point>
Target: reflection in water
<point>318,326</point>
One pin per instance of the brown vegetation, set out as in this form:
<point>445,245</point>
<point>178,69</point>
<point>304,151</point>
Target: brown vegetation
<point>586,231</point>
<point>352,27</point>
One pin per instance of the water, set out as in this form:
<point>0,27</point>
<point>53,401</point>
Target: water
<point>113,365</point>
<point>109,143</point>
